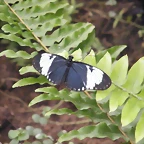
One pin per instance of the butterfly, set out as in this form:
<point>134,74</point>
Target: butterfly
<point>77,76</point>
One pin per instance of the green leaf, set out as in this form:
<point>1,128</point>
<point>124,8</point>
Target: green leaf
<point>20,41</point>
<point>27,69</point>
<point>23,135</point>
<point>43,121</point>
<point>30,81</point>
<point>119,71</point>
<point>135,77</point>
<point>139,133</point>
<point>114,52</point>
<point>59,111</point>
<point>102,95</point>
<point>39,10</point>
<point>29,129</point>
<point>105,63</point>
<point>13,134</point>
<point>21,54</point>
<point>100,130</point>
<point>44,97</point>
<point>14,141</point>
<point>73,40</point>
<point>90,58</point>
<point>117,98</point>
<point>50,90</point>
<point>131,110</point>
<point>86,44</point>
<point>36,117</point>
<point>77,55</point>
<point>37,131</point>
<point>27,4</point>
<point>93,114</point>
<point>80,101</point>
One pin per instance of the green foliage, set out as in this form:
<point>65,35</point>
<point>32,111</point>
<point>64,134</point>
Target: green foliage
<point>117,110</point>
<point>100,130</point>
<point>24,134</point>
<point>28,23</point>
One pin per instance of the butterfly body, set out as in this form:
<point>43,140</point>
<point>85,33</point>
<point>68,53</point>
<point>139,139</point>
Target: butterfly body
<point>75,75</point>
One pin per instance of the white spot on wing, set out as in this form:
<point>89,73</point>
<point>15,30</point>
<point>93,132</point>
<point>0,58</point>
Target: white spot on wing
<point>83,88</point>
<point>93,77</point>
<point>45,63</point>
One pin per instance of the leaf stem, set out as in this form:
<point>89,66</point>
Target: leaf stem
<point>132,94</point>
<point>88,94</point>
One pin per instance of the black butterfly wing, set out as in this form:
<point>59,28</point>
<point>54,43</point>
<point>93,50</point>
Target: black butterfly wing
<point>58,75</point>
<point>74,80</point>
<point>50,65</point>
<point>77,76</point>
<point>83,76</point>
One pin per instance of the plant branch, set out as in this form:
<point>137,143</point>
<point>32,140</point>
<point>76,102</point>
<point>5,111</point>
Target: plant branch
<point>57,105</point>
<point>70,123</point>
<point>88,94</point>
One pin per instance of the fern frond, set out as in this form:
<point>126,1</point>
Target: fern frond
<point>99,131</point>
<point>29,22</point>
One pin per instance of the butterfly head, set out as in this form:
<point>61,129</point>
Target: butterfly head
<point>70,58</point>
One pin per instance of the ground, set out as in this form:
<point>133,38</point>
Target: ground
<point>13,102</point>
